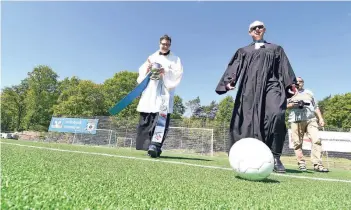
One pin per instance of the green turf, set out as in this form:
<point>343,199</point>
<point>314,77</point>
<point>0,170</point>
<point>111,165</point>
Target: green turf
<point>33,178</point>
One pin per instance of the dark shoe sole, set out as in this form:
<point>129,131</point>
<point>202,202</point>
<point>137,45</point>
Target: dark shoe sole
<point>321,171</point>
<point>153,153</point>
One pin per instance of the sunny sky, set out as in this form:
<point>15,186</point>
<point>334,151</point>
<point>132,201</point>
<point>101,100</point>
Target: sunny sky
<point>94,40</point>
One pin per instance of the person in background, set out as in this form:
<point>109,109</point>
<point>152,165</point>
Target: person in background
<point>170,73</point>
<point>267,80</point>
<point>304,116</point>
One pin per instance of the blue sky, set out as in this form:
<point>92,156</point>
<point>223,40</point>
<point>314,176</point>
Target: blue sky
<point>94,40</point>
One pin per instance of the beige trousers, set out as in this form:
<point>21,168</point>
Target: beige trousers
<point>309,127</point>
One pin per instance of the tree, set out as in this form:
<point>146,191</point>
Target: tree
<point>178,108</point>
<point>201,112</point>
<point>41,96</point>
<point>116,88</point>
<point>82,98</point>
<point>211,110</point>
<point>337,110</point>
<point>225,109</point>
<point>66,87</point>
<point>194,106</point>
<point>13,106</point>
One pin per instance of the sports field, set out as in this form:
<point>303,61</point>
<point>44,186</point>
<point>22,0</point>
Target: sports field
<point>59,176</point>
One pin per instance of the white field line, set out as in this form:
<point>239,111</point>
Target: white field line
<point>172,162</point>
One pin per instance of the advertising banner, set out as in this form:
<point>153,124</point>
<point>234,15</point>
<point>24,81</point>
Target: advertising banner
<point>73,125</point>
<point>331,141</point>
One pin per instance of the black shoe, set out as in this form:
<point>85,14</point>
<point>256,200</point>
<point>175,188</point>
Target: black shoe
<point>154,151</point>
<point>278,166</point>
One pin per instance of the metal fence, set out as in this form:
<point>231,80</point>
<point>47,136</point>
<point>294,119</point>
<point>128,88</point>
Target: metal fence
<point>184,136</point>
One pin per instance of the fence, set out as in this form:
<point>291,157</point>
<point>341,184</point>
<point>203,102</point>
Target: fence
<point>185,136</point>
<point>179,139</point>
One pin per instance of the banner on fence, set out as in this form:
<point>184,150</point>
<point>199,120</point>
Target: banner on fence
<point>331,141</point>
<point>73,125</point>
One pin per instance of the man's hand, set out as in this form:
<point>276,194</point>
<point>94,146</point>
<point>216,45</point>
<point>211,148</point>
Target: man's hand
<point>320,118</point>
<point>291,105</point>
<point>321,122</point>
<point>149,66</point>
<point>162,71</point>
<point>230,87</point>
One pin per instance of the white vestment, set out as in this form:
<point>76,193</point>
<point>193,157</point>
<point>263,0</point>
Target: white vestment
<point>150,99</point>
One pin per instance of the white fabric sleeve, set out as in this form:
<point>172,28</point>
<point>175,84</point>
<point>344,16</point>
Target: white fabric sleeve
<point>142,71</point>
<point>173,75</point>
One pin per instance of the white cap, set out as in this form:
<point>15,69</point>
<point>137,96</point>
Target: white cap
<point>256,23</point>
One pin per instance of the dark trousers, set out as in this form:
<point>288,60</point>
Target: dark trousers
<point>146,128</point>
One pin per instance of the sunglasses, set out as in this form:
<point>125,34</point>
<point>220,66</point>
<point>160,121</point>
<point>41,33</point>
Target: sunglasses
<point>165,44</point>
<point>259,27</point>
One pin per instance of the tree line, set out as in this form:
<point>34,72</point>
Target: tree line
<point>41,95</point>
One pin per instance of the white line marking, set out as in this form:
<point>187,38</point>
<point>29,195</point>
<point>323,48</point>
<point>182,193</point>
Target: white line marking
<point>172,162</point>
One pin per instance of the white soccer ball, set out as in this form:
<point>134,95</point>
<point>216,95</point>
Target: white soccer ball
<point>251,159</point>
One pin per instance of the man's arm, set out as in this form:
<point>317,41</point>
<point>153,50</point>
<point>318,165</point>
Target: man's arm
<point>319,116</point>
<point>286,73</point>
<point>292,105</point>
<point>231,74</point>
<point>317,111</point>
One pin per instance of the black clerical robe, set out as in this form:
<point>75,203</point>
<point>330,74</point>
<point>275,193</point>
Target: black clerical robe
<point>264,77</point>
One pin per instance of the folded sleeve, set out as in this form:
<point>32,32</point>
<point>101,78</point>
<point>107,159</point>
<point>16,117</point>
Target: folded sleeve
<point>232,73</point>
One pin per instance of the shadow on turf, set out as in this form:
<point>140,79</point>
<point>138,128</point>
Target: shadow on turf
<point>264,181</point>
<point>293,171</point>
<point>182,158</point>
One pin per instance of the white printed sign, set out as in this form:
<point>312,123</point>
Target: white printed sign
<point>331,141</point>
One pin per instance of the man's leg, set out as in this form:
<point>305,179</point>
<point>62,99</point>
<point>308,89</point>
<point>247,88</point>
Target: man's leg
<point>145,130</point>
<point>155,147</point>
<point>166,129</point>
<point>316,150</point>
<point>274,127</point>
<point>298,130</point>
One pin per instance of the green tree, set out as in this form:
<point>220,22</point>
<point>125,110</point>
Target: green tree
<point>337,110</point>
<point>210,111</point>
<point>41,96</point>
<point>178,108</point>
<point>115,89</point>
<point>225,109</point>
<point>81,98</point>
<point>13,107</point>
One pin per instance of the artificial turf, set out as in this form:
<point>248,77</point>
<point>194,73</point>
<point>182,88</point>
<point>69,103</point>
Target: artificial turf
<point>39,178</point>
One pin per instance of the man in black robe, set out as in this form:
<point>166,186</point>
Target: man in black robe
<point>267,80</point>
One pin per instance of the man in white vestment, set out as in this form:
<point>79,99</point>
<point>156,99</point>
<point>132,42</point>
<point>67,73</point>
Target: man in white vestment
<point>167,79</point>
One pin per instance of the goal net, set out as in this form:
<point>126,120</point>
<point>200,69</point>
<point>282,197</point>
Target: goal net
<point>179,139</point>
<point>189,140</point>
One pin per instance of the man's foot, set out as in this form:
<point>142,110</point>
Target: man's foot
<point>278,166</point>
<point>154,151</point>
<point>320,168</point>
<point>302,166</point>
